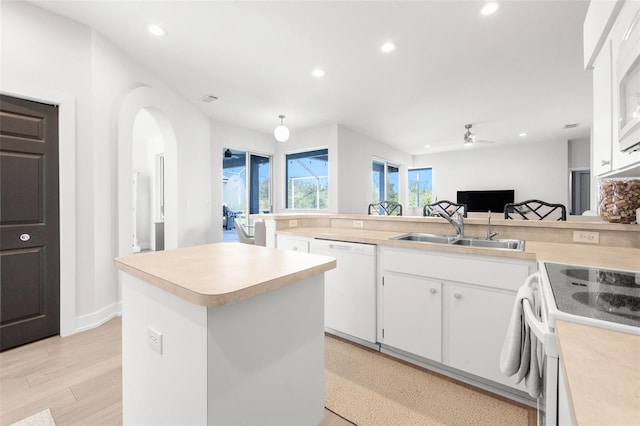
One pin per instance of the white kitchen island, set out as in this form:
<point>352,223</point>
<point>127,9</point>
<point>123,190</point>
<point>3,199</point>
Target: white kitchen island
<point>223,334</point>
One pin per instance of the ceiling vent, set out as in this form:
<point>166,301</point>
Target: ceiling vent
<point>208,98</point>
<point>571,126</point>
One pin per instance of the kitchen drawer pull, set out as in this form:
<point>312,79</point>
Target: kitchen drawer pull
<point>432,290</point>
<point>457,295</point>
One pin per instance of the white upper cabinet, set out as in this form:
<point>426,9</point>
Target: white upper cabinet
<point>603,124</point>
<point>605,26</point>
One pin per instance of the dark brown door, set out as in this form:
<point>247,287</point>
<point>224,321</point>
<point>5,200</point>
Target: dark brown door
<point>29,222</point>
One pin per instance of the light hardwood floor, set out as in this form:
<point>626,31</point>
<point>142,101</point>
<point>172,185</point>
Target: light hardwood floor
<point>79,378</point>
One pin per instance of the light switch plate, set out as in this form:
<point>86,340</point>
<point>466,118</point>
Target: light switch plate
<point>154,339</point>
<point>586,237</point>
<point>358,224</point>
<point>293,223</point>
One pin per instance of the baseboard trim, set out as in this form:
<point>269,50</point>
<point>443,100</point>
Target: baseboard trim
<point>96,319</point>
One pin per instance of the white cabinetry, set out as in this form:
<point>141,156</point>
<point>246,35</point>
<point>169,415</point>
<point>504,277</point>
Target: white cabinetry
<point>350,289</point>
<point>293,243</point>
<point>450,308</point>
<point>605,27</point>
<point>603,124</point>
<point>412,315</point>
<point>477,325</point>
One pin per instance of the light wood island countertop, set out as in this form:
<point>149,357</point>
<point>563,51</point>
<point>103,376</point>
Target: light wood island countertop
<point>222,273</point>
<point>602,370</point>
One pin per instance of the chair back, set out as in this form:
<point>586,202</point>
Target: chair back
<point>448,206</point>
<point>536,210</point>
<point>385,208</point>
<point>260,233</point>
<point>243,236</point>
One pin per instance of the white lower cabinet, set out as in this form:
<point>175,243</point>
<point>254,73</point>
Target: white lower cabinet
<point>477,321</point>
<point>293,243</point>
<point>450,308</point>
<point>412,315</point>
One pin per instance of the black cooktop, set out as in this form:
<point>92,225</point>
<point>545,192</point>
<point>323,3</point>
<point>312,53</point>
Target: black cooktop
<point>603,294</point>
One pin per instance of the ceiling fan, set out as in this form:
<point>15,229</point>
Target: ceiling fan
<point>470,138</point>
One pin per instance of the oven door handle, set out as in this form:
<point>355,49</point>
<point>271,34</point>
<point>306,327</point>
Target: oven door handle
<point>536,326</point>
<point>539,328</point>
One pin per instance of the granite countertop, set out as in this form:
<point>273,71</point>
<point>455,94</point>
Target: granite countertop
<point>223,273</point>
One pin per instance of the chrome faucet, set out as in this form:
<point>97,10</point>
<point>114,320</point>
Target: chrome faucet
<point>457,222</point>
<point>490,234</point>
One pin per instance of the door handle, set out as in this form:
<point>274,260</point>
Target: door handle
<point>25,237</point>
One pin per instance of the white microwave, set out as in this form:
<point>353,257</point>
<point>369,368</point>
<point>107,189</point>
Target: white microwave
<point>629,88</point>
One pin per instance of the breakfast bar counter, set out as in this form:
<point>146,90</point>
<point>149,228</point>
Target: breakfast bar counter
<point>223,334</point>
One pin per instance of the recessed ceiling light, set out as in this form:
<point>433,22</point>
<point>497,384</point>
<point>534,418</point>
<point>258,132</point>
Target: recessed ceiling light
<point>489,8</point>
<point>427,146</point>
<point>318,73</point>
<point>522,135</point>
<point>157,30</point>
<point>388,47</point>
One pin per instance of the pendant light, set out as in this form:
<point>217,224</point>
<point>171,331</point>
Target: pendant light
<point>281,132</point>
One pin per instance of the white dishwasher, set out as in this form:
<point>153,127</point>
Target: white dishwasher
<point>350,289</point>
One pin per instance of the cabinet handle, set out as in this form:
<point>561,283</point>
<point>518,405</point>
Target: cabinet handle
<point>295,248</point>
<point>432,290</point>
<point>605,162</point>
<point>457,295</point>
<point>25,237</point>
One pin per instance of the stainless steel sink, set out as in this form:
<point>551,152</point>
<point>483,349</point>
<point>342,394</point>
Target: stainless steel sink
<point>464,241</point>
<point>479,242</point>
<point>426,238</point>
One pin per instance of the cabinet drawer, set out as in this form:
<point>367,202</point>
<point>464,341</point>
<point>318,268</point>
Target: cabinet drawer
<point>293,244</point>
<point>508,274</point>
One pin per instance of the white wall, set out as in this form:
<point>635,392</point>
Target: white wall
<point>580,154</point>
<point>355,157</point>
<point>52,54</point>
<point>318,138</point>
<point>537,171</point>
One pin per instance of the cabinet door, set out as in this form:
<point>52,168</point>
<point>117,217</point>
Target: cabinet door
<point>412,315</point>
<point>477,321</point>
<point>602,114</point>
<point>294,244</point>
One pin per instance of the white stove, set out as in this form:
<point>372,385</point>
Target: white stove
<point>592,296</point>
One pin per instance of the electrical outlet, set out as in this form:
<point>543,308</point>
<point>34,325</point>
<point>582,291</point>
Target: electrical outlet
<point>586,237</point>
<point>154,339</point>
<point>293,223</point>
<point>358,224</point>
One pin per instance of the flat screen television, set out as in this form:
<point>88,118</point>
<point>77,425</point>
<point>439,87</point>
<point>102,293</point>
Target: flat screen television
<point>483,201</point>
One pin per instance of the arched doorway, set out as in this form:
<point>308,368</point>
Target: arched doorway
<point>147,184</point>
<point>147,103</point>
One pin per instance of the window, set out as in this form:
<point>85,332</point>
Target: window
<point>420,183</point>
<point>385,181</point>
<point>307,180</point>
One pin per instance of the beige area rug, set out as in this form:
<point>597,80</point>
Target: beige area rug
<point>43,418</point>
<point>368,388</point>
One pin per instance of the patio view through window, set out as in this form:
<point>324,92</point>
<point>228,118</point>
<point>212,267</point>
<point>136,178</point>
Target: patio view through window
<point>307,180</point>
<point>383,172</point>
<point>420,182</point>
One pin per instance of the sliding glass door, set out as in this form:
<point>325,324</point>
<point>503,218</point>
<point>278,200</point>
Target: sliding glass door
<point>246,186</point>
